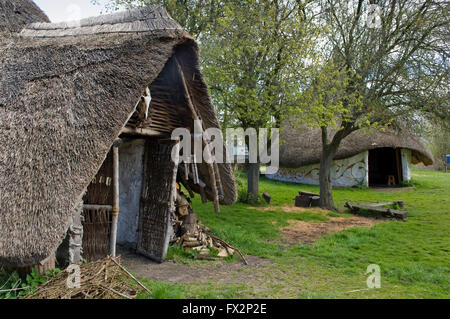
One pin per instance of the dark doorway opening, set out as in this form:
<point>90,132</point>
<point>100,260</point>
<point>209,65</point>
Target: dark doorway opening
<point>385,164</point>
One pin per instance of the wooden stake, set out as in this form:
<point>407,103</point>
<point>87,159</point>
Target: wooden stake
<point>219,181</point>
<point>115,206</point>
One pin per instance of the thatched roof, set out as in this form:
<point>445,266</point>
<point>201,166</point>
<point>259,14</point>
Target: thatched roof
<point>14,15</point>
<point>66,91</point>
<point>302,146</point>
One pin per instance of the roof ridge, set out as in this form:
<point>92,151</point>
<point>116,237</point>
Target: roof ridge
<point>143,14</point>
<point>149,18</point>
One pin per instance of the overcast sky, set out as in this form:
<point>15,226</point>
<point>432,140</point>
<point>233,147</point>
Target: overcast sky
<point>69,10</point>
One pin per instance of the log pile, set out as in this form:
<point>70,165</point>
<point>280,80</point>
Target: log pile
<point>191,234</point>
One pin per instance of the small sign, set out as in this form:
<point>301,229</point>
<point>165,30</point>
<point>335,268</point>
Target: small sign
<point>447,158</point>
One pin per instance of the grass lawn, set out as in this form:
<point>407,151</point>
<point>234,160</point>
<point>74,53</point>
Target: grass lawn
<point>413,256</point>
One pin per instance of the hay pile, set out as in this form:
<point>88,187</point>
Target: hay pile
<point>105,279</point>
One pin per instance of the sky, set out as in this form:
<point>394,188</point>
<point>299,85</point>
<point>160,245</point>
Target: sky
<point>69,10</point>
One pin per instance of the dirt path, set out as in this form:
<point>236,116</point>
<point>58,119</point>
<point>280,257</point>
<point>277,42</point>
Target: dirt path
<point>220,272</point>
<point>307,232</point>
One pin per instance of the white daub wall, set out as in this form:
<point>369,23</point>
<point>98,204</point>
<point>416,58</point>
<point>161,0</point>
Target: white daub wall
<point>347,172</point>
<point>406,163</point>
<point>131,154</point>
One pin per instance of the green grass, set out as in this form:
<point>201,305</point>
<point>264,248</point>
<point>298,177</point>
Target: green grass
<point>413,256</point>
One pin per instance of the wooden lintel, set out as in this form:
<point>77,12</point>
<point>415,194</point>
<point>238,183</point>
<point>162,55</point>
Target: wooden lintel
<point>141,132</point>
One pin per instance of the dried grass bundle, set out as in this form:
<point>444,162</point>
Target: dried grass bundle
<point>105,279</point>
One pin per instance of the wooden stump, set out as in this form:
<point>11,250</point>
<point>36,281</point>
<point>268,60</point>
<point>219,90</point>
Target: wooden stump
<point>315,201</point>
<point>302,201</point>
<point>266,197</point>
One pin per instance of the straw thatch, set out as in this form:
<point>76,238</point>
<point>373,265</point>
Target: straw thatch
<point>14,15</point>
<point>66,91</point>
<point>303,146</point>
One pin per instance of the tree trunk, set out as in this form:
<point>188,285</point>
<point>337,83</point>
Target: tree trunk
<point>326,160</point>
<point>326,188</point>
<point>253,181</point>
<point>329,150</point>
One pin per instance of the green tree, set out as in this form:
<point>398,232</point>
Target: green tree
<point>379,61</point>
<point>253,58</point>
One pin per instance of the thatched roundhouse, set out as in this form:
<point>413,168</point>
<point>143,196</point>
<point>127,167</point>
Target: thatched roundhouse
<point>86,112</point>
<point>370,159</point>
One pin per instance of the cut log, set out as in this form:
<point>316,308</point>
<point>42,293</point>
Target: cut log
<point>222,253</point>
<point>315,201</point>
<point>205,257</point>
<point>230,251</point>
<point>302,201</point>
<point>191,244</point>
<point>385,212</point>
<point>380,204</point>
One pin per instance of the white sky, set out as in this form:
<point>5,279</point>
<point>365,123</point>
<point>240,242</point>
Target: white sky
<point>69,10</point>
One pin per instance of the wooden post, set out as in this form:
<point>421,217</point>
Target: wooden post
<point>115,206</point>
<point>219,182</point>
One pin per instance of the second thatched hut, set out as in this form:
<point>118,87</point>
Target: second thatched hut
<point>378,158</point>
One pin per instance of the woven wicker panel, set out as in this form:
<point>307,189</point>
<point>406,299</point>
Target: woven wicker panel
<point>156,201</point>
<point>96,233</point>
<point>100,191</point>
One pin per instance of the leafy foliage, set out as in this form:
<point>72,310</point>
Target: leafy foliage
<point>12,286</point>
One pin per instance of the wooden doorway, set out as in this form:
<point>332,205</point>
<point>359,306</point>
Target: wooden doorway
<point>385,162</point>
<point>157,199</point>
